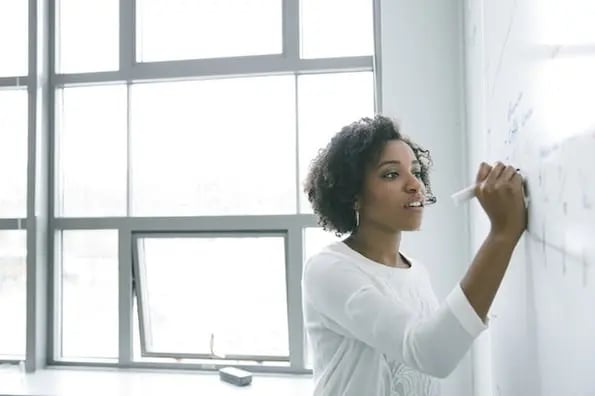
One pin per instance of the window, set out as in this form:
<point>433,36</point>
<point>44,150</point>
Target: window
<point>181,140</point>
<point>336,28</point>
<point>13,153</point>
<point>89,294</point>
<point>12,293</point>
<point>194,290</point>
<point>92,151</point>
<point>190,29</point>
<point>327,102</point>
<point>14,23</point>
<point>197,146</point>
<point>87,35</point>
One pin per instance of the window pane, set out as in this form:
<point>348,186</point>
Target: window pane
<point>90,294</point>
<point>230,288</point>
<point>87,35</point>
<point>193,29</point>
<point>14,25</point>
<point>93,151</point>
<point>335,28</point>
<point>13,304</point>
<point>351,96</point>
<point>13,153</point>
<point>216,147</point>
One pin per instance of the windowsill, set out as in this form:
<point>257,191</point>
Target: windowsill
<point>131,382</point>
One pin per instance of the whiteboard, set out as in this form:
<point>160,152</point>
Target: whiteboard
<point>530,68</point>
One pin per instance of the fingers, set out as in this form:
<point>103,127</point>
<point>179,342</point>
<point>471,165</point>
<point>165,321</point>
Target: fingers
<point>497,176</point>
<point>483,172</point>
<point>508,173</point>
<point>495,173</point>
<point>500,195</point>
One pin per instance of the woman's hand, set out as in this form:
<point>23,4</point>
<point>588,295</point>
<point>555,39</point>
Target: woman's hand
<point>500,192</point>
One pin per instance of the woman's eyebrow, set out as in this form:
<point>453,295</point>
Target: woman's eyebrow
<point>414,162</point>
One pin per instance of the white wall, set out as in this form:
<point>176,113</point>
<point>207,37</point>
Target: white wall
<point>422,82</point>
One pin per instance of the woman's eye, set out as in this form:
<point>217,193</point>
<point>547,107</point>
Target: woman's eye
<point>392,175</point>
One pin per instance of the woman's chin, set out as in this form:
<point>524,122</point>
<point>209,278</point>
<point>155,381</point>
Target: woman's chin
<point>413,226</point>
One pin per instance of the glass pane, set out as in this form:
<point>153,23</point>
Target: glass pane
<point>351,96</point>
<point>93,151</point>
<point>230,289</point>
<point>90,294</point>
<point>336,28</point>
<point>216,147</point>
<point>14,25</point>
<point>192,29</point>
<point>87,35</point>
<point>13,304</point>
<point>13,153</point>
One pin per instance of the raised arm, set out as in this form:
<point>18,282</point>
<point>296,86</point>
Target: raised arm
<point>500,193</point>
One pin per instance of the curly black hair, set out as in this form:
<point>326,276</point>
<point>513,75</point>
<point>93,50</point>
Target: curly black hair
<point>336,174</point>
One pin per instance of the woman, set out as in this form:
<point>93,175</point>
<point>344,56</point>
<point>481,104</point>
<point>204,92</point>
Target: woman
<point>371,316</point>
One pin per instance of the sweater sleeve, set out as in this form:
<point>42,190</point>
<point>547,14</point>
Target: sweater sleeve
<point>433,345</point>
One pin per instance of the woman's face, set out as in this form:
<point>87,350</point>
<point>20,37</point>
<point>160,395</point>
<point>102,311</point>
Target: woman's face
<point>390,186</point>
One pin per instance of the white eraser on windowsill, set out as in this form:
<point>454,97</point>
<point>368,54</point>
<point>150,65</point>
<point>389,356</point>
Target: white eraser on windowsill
<point>235,376</point>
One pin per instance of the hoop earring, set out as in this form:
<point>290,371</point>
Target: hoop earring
<point>356,218</point>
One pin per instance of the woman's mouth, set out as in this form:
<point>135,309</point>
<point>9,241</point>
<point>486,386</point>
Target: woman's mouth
<point>414,205</point>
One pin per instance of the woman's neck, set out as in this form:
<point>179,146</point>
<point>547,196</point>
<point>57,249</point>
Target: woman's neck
<point>378,246</point>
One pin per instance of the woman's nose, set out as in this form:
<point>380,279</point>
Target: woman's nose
<point>415,185</point>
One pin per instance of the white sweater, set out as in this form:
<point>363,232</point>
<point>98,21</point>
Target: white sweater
<point>377,330</point>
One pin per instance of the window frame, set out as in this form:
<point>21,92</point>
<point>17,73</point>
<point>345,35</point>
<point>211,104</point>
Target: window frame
<point>43,226</point>
<point>139,290</point>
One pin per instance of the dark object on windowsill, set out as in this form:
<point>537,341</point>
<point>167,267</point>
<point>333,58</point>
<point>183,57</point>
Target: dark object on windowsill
<point>235,376</point>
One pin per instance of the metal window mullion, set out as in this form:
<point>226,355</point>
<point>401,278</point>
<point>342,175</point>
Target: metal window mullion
<point>291,30</point>
<point>294,297</point>
<point>219,68</point>
<point>128,151</point>
<point>125,299</point>
<point>206,356</point>
<point>140,292</point>
<point>56,298</point>
<point>187,366</point>
<point>37,221</point>
<point>377,23</point>
<point>181,224</point>
<point>12,224</point>
<point>297,144</point>
<point>206,235</point>
<point>14,82</point>
<point>31,284</point>
<point>125,289</point>
<point>127,37</point>
<point>54,251</point>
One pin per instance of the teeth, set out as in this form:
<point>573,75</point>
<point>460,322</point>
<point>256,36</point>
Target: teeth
<point>415,204</point>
